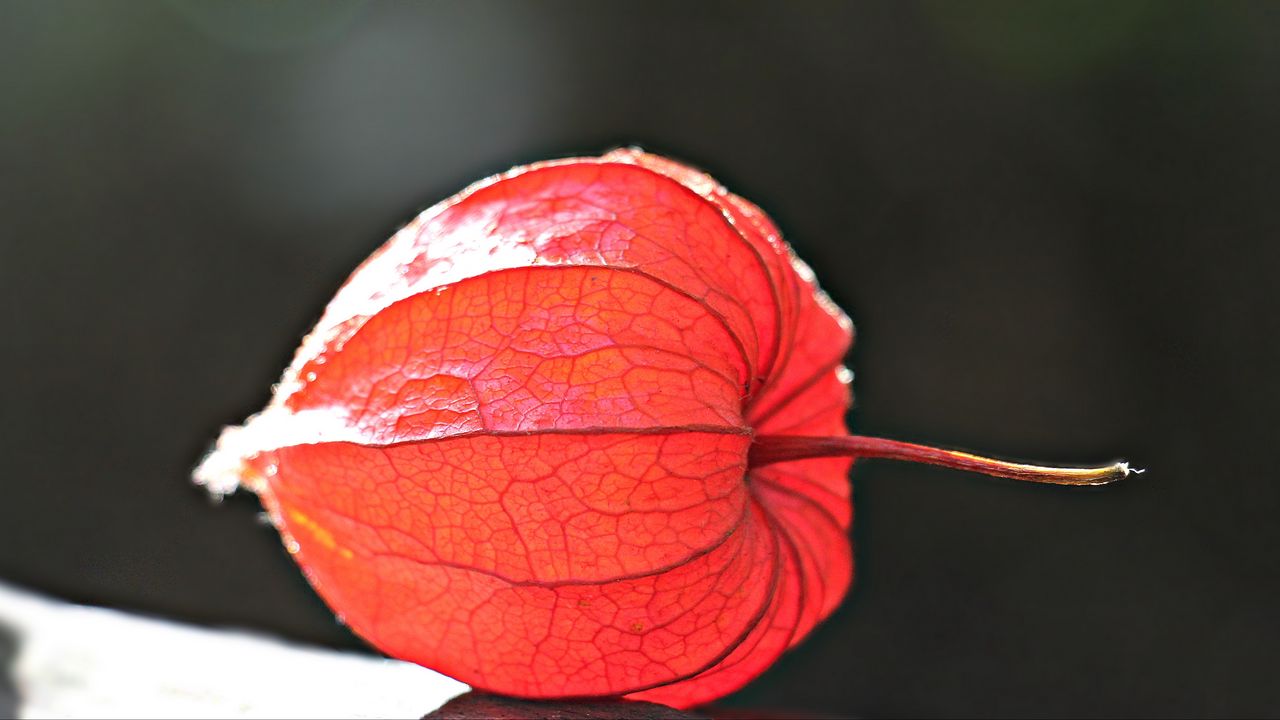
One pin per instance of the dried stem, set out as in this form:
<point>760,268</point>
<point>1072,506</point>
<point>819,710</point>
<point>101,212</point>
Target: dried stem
<point>769,449</point>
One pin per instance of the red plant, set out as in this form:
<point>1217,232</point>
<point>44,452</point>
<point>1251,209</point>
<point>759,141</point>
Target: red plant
<point>576,431</point>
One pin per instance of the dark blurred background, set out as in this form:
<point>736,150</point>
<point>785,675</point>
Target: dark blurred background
<point>1055,226</point>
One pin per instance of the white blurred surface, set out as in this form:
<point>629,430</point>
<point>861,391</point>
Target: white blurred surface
<point>74,661</point>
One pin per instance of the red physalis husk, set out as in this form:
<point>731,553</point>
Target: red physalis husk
<point>515,447</point>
